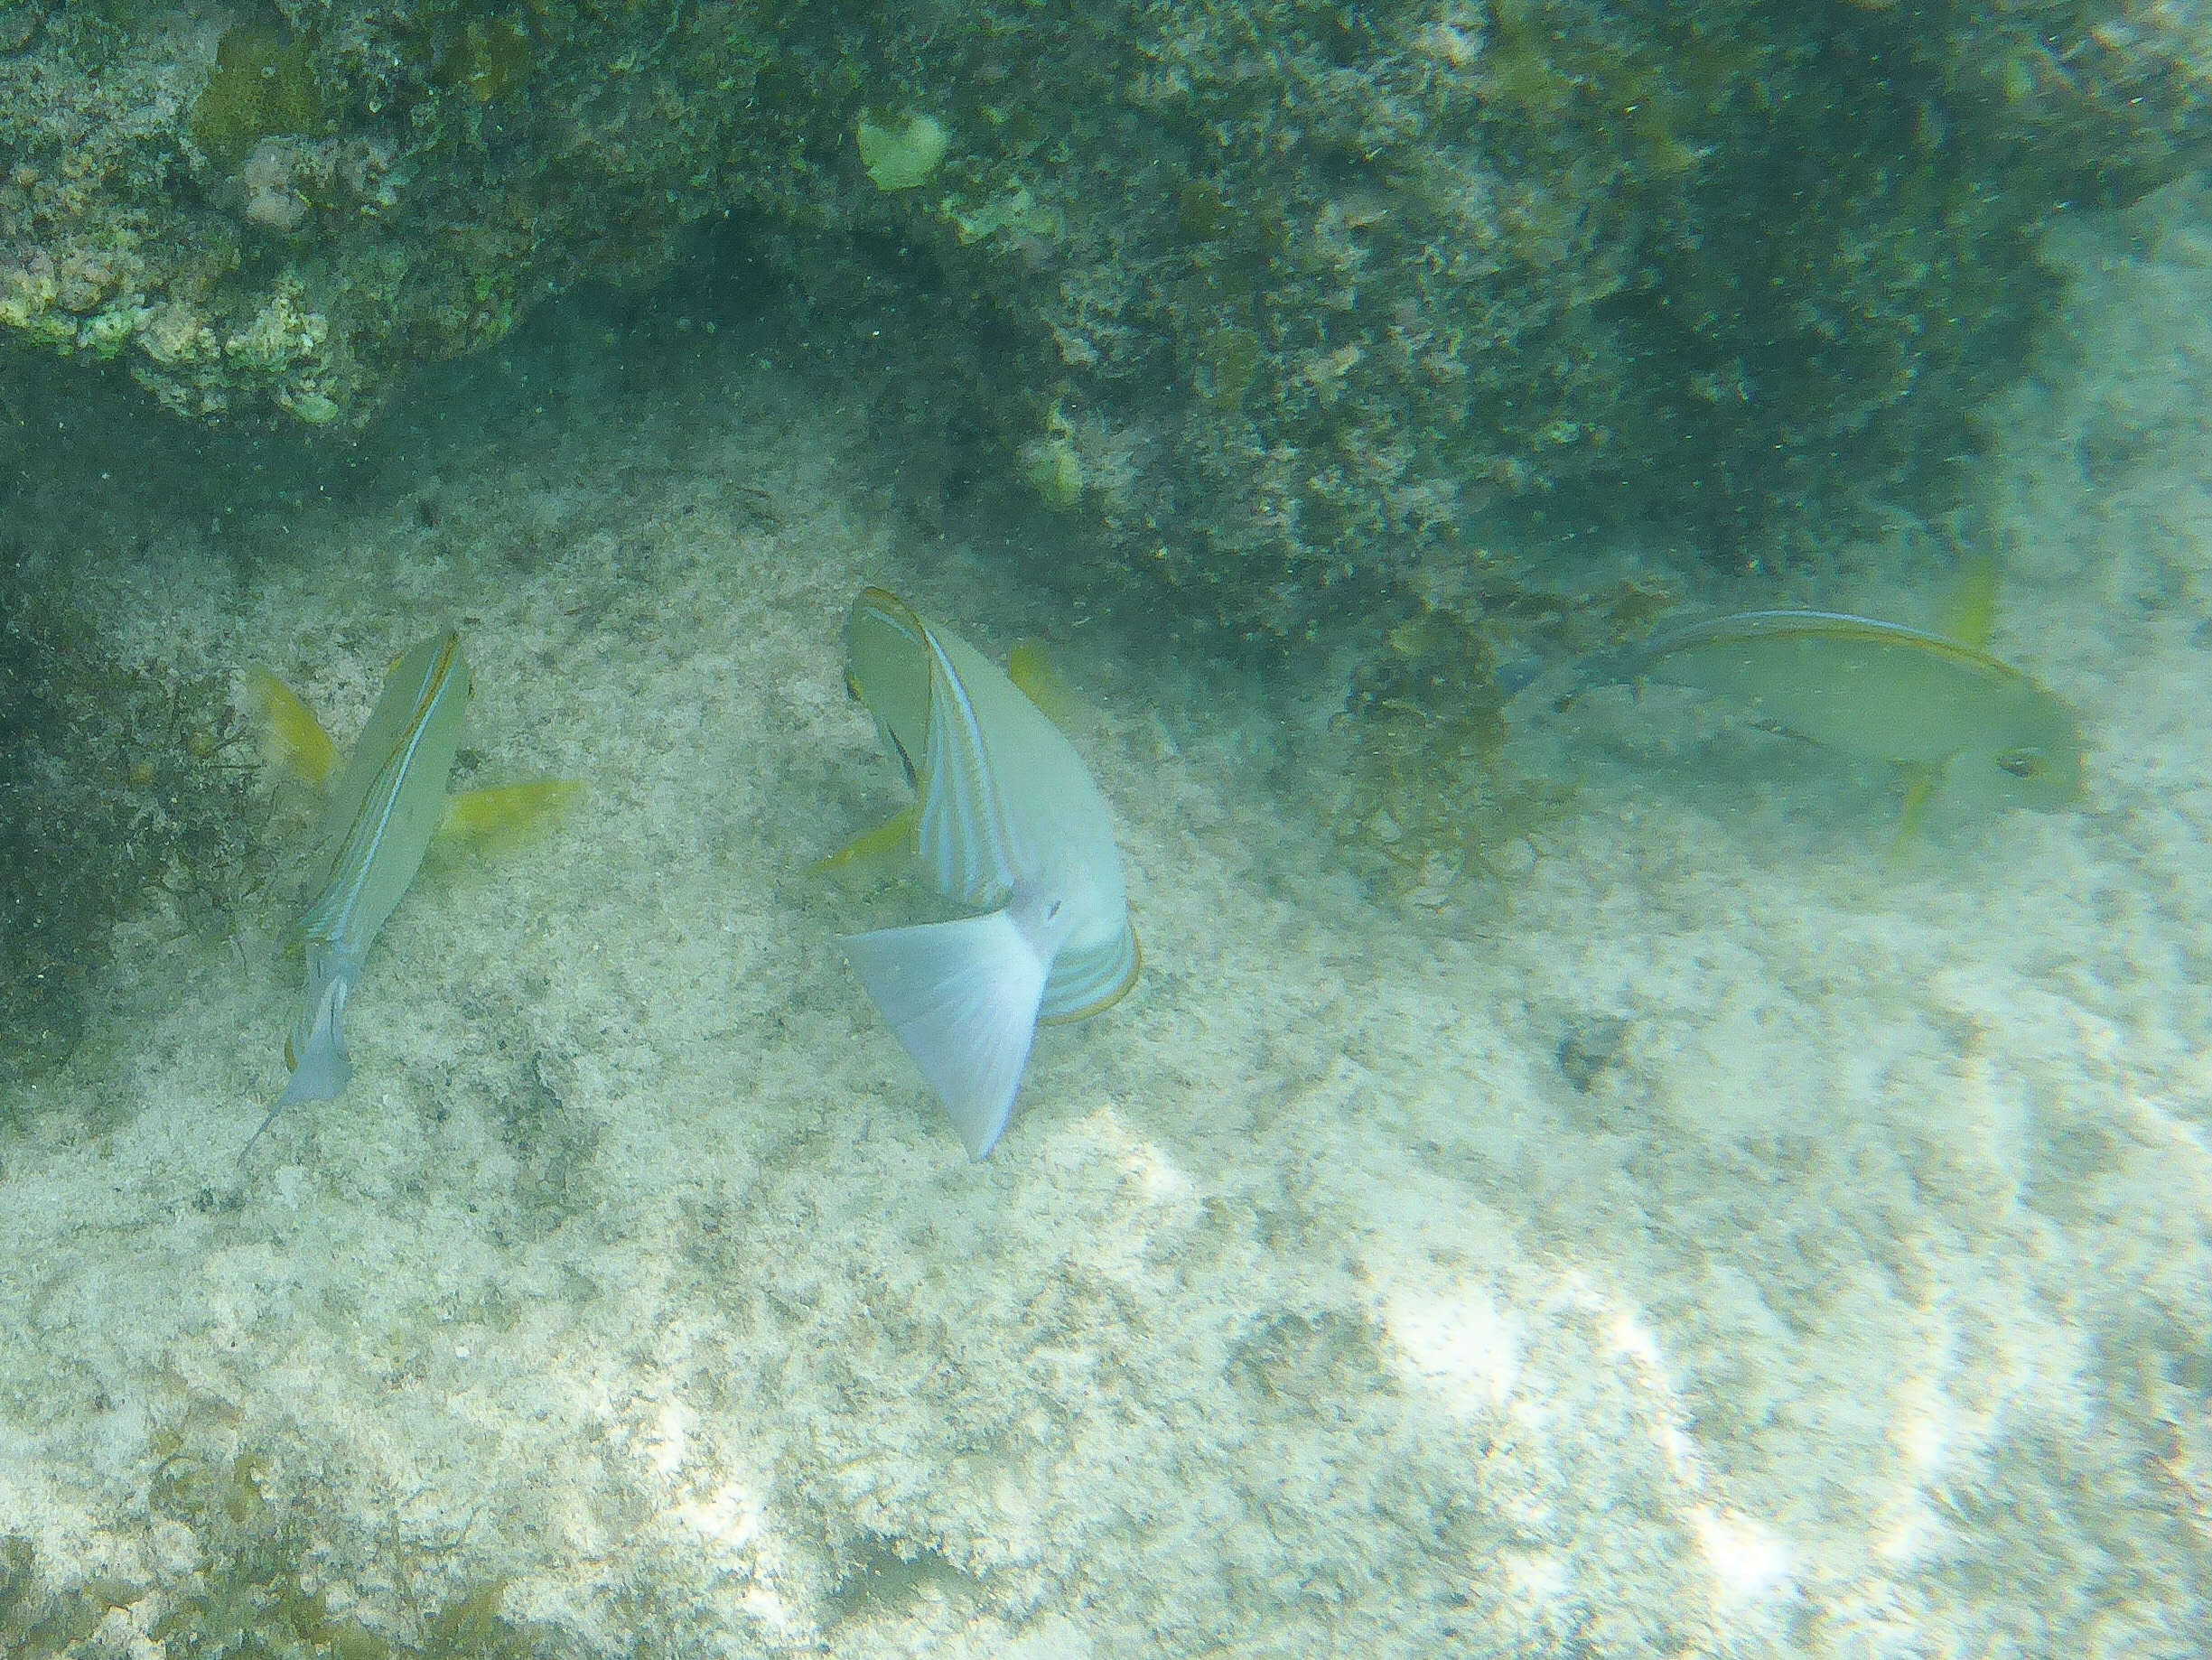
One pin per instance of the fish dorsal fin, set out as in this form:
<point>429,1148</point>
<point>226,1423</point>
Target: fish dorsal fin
<point>1969,611</point>
<point>292,739</point>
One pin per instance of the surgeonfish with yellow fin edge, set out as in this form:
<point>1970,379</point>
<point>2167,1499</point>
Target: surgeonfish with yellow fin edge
<point>388,805</point>
<point>1008,822</point>
<point>1941,709</point>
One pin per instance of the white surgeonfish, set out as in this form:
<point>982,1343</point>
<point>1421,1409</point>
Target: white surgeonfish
<point>379,822</point>
<point>1008,822</point>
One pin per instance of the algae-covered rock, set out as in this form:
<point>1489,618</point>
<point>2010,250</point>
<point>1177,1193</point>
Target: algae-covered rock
<point>1346,294</point>
<point>263,85</point>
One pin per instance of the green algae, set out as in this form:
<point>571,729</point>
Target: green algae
<point>1435,796</point>
<point>1432,800</point>
<point>901,156</point>
<point>123,786</point>
<point>491,58</point>
<point>258,1592</point>
<point>263,87</point>
<point>35,1627</point>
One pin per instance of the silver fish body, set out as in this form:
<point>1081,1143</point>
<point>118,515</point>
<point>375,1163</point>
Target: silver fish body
<point>379,824</point>
<point>1879,691</point>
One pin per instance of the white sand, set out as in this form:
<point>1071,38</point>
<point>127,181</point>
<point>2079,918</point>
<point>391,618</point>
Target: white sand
<point>1857,1307</point>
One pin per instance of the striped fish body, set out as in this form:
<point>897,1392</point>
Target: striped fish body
<point>390,796</point>
<point>1879,691</point>
<point>1011,824</point>
<point>380,819</point>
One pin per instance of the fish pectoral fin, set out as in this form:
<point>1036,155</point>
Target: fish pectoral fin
<point>1030,667</point>
<point>962,997</point>
<point>499,816</point>
<point>292,739</point>
<point>887,840</point>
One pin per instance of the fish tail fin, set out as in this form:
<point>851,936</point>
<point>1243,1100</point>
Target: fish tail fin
<point>962,997</point>
<point>315,1050</point>
<point>1623,666</point>
<point>290,737</point>
<point>496,818</point>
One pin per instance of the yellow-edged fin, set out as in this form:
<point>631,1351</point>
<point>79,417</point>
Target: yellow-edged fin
<point>503,814</point>
<point>1921,782</point>
<point>1969,611</point>
<point>292,739</point>
<point>1030,667</point>
<point>1098,1005</point>
<point>889,840</point>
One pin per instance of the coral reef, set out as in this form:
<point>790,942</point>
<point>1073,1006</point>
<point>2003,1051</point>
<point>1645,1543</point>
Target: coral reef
<point>1305,312</point>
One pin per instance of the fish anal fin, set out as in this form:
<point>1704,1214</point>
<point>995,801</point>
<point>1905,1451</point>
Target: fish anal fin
<point>962,997</point>
<point>870,848</point>
<point>1067,1001</point>
<point>292,739</point>
<point>502,815</point>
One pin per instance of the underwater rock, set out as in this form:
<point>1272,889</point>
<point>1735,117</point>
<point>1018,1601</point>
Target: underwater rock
<point>1406,277</point>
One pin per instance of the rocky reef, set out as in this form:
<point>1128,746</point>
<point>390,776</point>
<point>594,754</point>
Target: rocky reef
<point>1323,317</point>
<point>1292,299</point>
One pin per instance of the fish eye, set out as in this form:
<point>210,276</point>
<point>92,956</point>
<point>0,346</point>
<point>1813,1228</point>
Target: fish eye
<point>2022,764</point>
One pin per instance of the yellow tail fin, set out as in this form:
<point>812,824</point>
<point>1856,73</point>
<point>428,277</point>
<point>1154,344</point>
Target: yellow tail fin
<point>291,736</point>
<point>496,817</point>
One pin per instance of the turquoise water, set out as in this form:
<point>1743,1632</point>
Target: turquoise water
<point>1721,1232</point>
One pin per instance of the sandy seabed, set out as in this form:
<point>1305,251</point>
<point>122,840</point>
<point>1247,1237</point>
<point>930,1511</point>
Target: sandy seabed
<point>1737,1241</point>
